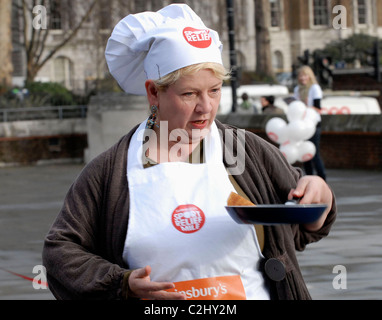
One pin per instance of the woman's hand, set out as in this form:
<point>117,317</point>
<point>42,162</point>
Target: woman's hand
<point>310,190</point>
<point>142,287</point>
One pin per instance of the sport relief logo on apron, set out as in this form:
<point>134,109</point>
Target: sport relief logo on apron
<point>178,225</point>
<point>188,218</point>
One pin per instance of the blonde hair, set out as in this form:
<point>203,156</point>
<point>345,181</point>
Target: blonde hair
<point>309,72</point>
<point>219,71</point>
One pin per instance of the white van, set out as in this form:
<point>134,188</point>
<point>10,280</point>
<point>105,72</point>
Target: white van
<point>349,105</point>
<point>254,92</point>
<point>340,104</point>
<point>330,104</point>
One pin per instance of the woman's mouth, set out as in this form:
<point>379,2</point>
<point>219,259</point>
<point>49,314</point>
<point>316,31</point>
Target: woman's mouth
<point>199,124</point>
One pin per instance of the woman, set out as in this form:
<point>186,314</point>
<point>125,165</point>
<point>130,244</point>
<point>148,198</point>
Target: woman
<point>309,92</point>
<point>143,220</point>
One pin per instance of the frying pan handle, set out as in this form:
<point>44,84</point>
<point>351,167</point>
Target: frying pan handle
<point>293,201</point>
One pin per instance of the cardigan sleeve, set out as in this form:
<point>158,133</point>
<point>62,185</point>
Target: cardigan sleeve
<point>82,252</point>
<point>71,254</point>
<point>303,237</point>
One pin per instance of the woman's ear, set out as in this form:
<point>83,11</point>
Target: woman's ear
<point>152,92</point>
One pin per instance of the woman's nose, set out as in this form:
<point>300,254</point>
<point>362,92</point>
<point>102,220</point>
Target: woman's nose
<point>204,104</point>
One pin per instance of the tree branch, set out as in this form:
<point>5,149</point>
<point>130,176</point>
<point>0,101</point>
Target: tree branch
<point>70,36</point>
<point>27,43</point>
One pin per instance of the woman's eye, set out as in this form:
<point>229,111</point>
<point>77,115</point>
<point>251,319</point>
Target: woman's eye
<point>215,91</point>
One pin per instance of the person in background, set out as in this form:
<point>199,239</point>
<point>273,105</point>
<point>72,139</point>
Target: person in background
<point>268,107</point>
<point>246,106</point>
<point>310,92</point>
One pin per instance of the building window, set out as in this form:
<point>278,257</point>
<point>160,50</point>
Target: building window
<point>278,61</point>
<point>362,11</point>
<point>63,72</point>
<point>55,15</point>
<point>320,12</point>
<point>275,13</point>
<point>62,14</point>
<point>104,14</point>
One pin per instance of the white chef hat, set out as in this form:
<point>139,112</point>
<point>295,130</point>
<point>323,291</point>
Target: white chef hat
<point>150,45</point>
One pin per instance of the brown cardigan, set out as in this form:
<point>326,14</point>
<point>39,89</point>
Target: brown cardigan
<point>83,250</point>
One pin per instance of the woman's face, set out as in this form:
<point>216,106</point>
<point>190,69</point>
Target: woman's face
<point>303,78</point>
<point>191,104</point>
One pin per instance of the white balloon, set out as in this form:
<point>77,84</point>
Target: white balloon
<point>297,130</point>
<point>312,115</point>
<point>306,151</point>
<point>276,130</point>
<point>290,152</point>
<point>310,129</point>
<point>296,111</point>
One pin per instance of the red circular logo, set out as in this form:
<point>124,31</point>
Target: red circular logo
<point>307,157</point>
<point>273,136</point>
<point>197,38</point>
<point>188,218</point>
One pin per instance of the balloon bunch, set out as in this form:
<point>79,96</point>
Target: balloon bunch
<point>292,136</point>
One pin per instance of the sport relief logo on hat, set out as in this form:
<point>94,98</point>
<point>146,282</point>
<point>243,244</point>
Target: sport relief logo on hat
<point>197,38</point>
<point>150,45</point>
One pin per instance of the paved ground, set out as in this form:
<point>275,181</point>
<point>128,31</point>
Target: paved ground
<point>30,198</point>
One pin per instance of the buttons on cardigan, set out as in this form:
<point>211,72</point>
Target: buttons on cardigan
<point>275,269</point>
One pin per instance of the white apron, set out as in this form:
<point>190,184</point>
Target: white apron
<point>178,225</point>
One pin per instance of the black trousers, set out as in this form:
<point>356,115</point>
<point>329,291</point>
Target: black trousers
<point>316,164</point>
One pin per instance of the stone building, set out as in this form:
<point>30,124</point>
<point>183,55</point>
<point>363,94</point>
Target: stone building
<point>296,25</point>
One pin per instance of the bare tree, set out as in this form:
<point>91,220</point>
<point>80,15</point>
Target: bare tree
<point>263,41</point>
<point>35,35</point>
<point>6,67</point>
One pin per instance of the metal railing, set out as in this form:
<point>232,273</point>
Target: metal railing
<point>42,113</point>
